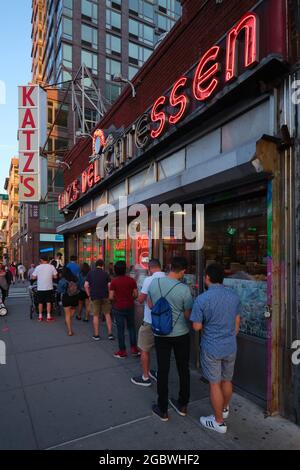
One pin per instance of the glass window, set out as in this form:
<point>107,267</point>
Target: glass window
<point>90,60</point>
<point>132,71</point>
<point>113,20</point>
<point>164,23</point>
<point>89,36</point>
<point>141,31</point>
<point>85,248</point>
<point>117,4</point>
<point>112,67</point>
<point>138,54</point>
<point>89,9</point>
<point>236,236</point>
<point>170,7</point>
<point>112,91</point>
<point>142,9</point>
<point>67,28</point>
<point>113,44</point>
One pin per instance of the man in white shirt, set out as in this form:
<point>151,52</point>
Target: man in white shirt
<point>145,336</point>
<point>45,273</point>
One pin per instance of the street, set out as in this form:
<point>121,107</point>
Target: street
<point>58,392</point>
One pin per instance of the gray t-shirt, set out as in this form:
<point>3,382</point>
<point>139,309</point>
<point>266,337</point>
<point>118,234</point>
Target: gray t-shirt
<point>180,299</point>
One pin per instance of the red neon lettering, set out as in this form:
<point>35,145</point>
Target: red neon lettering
<point>249,23</point>
<point>90,176</point>
<point>158,117</point>
<point>28,138</point>
<point>27,168</point>
<point>84,182</point>
<point>180,100</point>
<point>28,120</point>
<point>26,182</point>
<point>75,190</point>
<point>97,176</point>
<point>202,92</point>
<point>26,97</point>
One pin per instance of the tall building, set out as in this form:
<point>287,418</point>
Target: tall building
<point>12,226</point>
<point>108,36</point>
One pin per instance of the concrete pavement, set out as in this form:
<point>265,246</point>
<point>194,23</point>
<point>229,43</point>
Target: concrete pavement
<point>58,392</point>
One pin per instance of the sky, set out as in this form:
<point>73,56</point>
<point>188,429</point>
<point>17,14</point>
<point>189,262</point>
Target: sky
<point>15,69</point>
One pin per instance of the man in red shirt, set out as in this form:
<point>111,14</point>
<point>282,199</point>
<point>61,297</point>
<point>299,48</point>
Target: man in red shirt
<point>123,291</point>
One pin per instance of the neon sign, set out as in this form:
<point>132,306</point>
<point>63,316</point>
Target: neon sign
<point>190,91</point>
<point>206,77</point>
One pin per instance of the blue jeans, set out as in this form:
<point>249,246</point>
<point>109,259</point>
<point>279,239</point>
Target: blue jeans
<point>121,316</point>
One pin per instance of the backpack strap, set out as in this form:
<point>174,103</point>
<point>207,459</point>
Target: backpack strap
<point>173,287</point>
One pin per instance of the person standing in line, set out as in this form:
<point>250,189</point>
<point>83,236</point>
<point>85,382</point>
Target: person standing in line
<point>13,271</point>
<point>21,272</point>
<point>145,336</point>
<point>123,291</point>
<point>57,262</point>
<point>45,273</point>
<point>83,297</point>
<point>179,297</point>
<point>217,314</point>
<point>74,266</point>
<point>96,287</point>
<point>68,287</point>
<point>30,273</point>
<point>4,286</point>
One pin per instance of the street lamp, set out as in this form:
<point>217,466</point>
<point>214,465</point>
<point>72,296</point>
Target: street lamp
<point>118,78</point>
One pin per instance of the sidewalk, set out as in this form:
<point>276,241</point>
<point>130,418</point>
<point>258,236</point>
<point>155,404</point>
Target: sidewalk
<point>58,392</point>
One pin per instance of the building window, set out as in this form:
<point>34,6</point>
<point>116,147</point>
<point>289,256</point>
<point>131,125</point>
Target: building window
<point>65,7</point>
<point>112,91</point>
<point>90,60</point>
<point>113,45</point>
<point>113,67</point>
<point>89,10</point>
<point>142,9</point>
<point>113,20</point>
<point>138,54</point>
<point>65,29</point>
<point>170,7</point>
<point>141,32</point>
<point>164,23</point>
<point>89,36</point>
<point>132,71</point>
<point>62,119</point>
<point>117,4</point>
<point>64,56</point>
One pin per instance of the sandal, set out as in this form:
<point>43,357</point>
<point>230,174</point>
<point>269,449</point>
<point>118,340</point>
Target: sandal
<point>78,317</point>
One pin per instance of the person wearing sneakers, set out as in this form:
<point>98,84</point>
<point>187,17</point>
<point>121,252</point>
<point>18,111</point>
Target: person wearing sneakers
<point>217,314</point>
<point>45,273</point>
<point>123,291</point>
<point>96,288</point>
<point>179,297</point>
<point>145,335</point>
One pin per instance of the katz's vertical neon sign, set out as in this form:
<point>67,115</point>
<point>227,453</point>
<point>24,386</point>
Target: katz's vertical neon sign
<point>206,79</point>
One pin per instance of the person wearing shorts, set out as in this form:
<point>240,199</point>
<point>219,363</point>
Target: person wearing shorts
<point>217,314</point>
<point>96,287</point>
<point>146,340</point>
<point>44,274</point>
<point>69,302</point>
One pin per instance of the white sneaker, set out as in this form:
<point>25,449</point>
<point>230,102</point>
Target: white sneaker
<point>209,422</point>
<point>226,413</point>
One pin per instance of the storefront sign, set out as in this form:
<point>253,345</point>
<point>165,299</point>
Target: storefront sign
<point>217,67</point>
<point>32,135</point>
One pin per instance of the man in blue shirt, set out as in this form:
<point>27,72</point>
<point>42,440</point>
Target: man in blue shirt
<point>217,313</point>
<point>74,266</point>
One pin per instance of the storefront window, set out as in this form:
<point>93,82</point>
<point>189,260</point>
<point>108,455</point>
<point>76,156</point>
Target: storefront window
<point>85,248</point>
<point>236,236</point>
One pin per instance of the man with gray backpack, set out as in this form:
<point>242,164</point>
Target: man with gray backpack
<point>171,303</point>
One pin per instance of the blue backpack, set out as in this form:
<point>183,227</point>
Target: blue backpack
<point>162,315</point>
